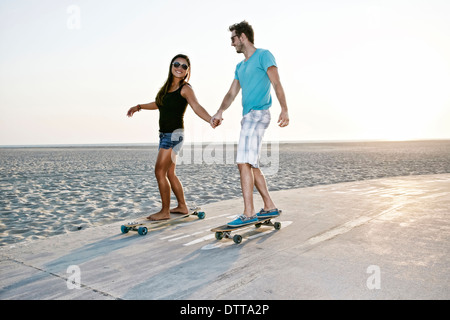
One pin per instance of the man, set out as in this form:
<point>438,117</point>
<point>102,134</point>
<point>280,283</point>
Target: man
<point>254,75</point>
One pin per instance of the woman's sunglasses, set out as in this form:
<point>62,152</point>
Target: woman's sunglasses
<point>177,65</point>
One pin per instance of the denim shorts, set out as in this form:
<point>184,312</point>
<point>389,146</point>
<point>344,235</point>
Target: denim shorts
<point>172,140</point>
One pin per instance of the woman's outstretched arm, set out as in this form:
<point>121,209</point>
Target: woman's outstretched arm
<point>146,106</point>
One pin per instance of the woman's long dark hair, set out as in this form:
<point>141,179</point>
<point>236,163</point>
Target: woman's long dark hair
<point>165,88</point>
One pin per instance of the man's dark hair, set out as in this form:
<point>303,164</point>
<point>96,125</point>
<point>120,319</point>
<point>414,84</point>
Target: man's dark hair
<point>244,28</point>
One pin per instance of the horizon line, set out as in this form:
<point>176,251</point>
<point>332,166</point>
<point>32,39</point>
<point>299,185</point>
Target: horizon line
<point>152,144</point>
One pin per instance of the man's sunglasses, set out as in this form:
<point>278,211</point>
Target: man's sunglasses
<point>177,65</point>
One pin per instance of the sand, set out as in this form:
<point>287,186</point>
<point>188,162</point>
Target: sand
<point>51,191</point>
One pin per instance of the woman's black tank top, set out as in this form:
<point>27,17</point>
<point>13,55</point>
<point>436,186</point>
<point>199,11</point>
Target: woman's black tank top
<point>171,113</point>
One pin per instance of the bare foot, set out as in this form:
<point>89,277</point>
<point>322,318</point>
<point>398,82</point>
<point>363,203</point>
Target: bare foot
<point>180,209</point>
<point>159,216</point>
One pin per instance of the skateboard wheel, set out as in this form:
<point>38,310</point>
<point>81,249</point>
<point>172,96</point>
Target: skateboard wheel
<point>124,229</point>
<point>237,239</point>
<point>219,235</point>
<point>142,231</point>
<point>257,225</point>
<point>277,225</point>
<point>201,215</point>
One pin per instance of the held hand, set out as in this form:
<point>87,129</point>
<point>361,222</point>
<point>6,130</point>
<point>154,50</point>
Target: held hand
<point>216,120</point>
<point>212,123</point>
<point>283,120</point>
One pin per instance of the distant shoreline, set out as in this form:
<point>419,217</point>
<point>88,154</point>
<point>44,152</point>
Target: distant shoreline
<point>154,144</point>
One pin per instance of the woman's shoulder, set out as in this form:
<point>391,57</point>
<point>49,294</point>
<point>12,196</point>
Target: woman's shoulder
<point>186,88</point>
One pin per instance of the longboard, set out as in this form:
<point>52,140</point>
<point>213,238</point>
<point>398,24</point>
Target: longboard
<point>225,231</point>
<point>143,225</point>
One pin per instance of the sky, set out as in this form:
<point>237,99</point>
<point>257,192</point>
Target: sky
<point>351,69</point>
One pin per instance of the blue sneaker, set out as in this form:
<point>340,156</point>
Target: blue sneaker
<point>263,214</point>
<point>242,220</point>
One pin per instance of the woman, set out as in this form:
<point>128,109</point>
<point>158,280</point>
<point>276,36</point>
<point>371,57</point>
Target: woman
<point>171,101</point>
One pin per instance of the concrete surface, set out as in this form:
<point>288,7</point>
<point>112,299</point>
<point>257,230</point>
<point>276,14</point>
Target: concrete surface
<point>377,239</point>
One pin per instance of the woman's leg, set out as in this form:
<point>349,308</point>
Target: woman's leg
<point>177,188</point>
<point>163,163</point>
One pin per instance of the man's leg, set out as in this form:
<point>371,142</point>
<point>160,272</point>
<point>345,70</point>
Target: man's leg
<point>261,186</point>
<point>247,184</point>
<point>252,130</point>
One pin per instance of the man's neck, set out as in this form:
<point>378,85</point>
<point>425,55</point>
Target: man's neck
<point>249,51</point>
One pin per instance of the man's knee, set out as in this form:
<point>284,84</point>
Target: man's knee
<point>244,167</point>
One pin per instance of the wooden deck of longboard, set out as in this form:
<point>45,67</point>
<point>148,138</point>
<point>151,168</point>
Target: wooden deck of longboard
<point>224,231</point>
<point>142,225</point>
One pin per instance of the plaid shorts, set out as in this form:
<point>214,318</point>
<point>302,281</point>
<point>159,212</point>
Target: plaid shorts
<point>253,126</point>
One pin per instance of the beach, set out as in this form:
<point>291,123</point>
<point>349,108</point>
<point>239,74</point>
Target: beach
<point>49,191</point>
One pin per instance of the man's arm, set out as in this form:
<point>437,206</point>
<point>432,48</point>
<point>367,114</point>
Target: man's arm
<point>274,77</point>
<point>227,101</point>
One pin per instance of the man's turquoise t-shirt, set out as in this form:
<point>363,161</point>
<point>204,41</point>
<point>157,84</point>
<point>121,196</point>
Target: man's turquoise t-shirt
<point>254,81</point>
